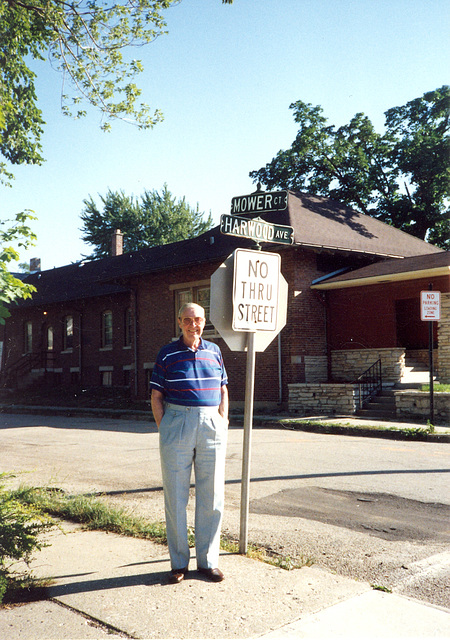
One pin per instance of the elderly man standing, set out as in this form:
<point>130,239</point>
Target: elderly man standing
<point>190,406</point>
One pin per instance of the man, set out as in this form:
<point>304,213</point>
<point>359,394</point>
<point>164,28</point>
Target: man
<point>190,406</point>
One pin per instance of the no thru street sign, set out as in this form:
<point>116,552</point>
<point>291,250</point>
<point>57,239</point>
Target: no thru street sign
<point>255,290</point>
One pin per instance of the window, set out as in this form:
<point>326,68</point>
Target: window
<point>50,336</point>
<point>28,337</point>
<point>128,326</point>
<point>198,292</point>
<point>68,333</point>
<point>106,377</point>
<point>107,330</point>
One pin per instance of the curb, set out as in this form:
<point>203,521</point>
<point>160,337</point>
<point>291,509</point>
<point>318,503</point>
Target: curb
<point>418,433</point>
<point>412,432</point>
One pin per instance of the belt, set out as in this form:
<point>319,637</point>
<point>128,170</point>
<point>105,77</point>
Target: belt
<point>180,407</point>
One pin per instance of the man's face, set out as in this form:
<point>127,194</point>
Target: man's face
<point>192,323</point>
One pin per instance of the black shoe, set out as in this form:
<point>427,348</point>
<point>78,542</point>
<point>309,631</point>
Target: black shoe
<point>177,575</point>
<point>215,575</point>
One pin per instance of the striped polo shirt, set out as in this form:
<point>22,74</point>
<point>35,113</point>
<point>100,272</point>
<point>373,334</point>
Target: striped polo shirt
<point>190,378</point>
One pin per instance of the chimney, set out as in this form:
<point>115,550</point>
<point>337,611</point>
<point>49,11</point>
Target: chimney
<point>117,243</point>
<point>35,264</point>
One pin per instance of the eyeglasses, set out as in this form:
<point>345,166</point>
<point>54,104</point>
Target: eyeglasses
<point>187,322</point>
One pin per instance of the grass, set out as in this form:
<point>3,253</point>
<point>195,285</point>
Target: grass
<point>263,554</point>
<point>92,512</point>
<point>438,388</point>
<point>95,513</point>
<point>379,587</point>
<point>24,588</point>
<point>340,427</point>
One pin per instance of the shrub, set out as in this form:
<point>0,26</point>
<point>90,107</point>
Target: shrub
<point>21,526</point>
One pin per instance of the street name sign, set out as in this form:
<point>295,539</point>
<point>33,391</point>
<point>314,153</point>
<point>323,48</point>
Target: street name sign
<point>259,202</point>
<point>256,229</point>
<point>430,305</point>
<point>255,290</point>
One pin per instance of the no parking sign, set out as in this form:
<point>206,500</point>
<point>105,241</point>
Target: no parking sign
<point>430,305</point>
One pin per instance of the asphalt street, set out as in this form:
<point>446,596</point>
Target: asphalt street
<point>366,508</point>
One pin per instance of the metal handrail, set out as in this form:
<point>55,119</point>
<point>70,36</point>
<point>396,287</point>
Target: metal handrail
<point>370,383</point>
<point>22,366</point>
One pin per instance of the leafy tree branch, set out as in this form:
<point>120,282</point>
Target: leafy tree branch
<point>13,234</point>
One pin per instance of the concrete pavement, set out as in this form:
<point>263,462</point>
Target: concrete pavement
<point>110,586</point>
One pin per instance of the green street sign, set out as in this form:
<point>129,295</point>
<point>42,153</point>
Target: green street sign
<point>259,202</point>
<point>256,229</point>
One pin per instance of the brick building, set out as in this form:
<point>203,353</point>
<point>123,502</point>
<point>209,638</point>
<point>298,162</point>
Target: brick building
<point>101,323</point>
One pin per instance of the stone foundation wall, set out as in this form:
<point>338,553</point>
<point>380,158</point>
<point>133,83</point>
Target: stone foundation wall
<point>322,399</point>
<point>348,364</point>
<point>416,404</point>
<point>422,356</point>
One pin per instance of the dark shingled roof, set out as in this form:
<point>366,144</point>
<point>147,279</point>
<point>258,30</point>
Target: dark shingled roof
<point>72,282</point>
<point>321,222</point>
<point>317,222</point>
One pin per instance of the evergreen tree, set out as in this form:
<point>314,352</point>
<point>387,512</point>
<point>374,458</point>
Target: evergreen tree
<point>154,219</point>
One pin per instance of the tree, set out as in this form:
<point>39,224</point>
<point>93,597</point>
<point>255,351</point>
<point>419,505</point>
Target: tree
<point>84,41</point>
<point>16,232</point>
<point>401,176</point>
<point>153,220</point>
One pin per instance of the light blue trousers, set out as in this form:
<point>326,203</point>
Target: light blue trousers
<point>198,436</point>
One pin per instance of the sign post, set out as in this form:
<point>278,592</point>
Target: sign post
<point>249,304</point>
<point>255,308</point>
<point>247,445</point>
<point>430,311</point>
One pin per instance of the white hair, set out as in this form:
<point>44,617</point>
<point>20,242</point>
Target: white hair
<point>190,305</point>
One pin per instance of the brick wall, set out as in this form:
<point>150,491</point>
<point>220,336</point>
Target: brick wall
<point>302,342</point>
<point>444,340</point>
<point>83,362</point>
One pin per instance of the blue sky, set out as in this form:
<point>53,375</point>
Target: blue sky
<point>224,77</point>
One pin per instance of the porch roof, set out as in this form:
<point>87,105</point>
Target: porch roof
<point>426,266</point>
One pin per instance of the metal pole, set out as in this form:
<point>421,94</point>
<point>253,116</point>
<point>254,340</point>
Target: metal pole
<point>430,334</point>
<point>430,345</point>
<point>248,423</point>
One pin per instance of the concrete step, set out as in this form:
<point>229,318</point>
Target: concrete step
<point>384,399</point>
<point>415,373</point>
<point>381,407</point>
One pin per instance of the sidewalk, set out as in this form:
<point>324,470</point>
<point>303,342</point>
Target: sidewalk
<point>109,586</point>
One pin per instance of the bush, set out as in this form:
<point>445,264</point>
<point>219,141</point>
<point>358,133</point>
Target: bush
<point>21,526</point>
